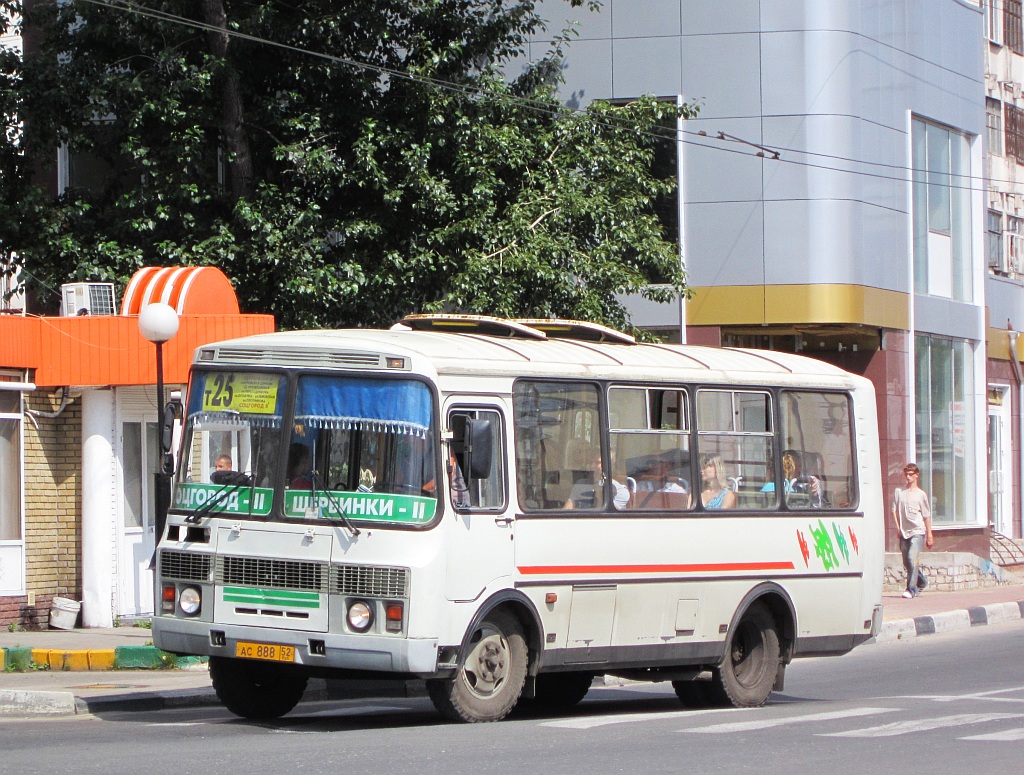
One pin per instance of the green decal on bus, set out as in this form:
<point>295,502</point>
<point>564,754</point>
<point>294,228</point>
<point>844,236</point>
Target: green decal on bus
<point>278,597</point>
<point>376,507</point>
<point>223,499</point>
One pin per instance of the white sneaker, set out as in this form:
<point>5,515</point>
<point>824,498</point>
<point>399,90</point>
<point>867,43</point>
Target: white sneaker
<point>908,594</point>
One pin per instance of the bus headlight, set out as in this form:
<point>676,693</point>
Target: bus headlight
<point>360,616</point>
<point>190,601</point>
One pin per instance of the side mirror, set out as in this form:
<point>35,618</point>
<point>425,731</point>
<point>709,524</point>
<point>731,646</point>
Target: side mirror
<point>172,413</point>
<point>479,448</point>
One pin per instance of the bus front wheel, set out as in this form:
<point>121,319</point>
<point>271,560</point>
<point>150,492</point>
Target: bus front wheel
<point>490,680</point>
<point>256,690</point>
<point>746,676</point>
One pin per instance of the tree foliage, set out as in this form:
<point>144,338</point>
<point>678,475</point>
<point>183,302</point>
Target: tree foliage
<point>344,163</point>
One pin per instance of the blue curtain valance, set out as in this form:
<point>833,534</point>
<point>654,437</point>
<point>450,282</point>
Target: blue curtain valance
<point>388,405</point>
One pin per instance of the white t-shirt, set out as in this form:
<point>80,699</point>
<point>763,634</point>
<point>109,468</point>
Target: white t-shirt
<point>912,508</point>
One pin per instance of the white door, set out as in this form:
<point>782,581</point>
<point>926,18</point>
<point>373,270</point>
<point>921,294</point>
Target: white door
<point>478,519</point>
<point>1000,502</point>
<point>138,457</point>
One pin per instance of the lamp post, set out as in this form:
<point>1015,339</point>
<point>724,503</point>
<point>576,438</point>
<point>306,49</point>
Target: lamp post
<point>159,323</point>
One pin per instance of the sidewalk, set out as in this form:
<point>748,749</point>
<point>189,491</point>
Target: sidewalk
<point>118,669</point>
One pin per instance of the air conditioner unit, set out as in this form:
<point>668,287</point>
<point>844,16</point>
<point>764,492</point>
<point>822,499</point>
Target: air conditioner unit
<point>86,299</point>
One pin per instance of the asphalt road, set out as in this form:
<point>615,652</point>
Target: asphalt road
<point>939,704</point>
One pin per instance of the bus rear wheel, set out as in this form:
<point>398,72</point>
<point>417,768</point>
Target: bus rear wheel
<point>746,676</point>
<point>488,683</point>
<point>256,690</point>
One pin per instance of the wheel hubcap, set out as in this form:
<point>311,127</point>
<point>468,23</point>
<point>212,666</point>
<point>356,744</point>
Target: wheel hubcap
<point>487,666</point>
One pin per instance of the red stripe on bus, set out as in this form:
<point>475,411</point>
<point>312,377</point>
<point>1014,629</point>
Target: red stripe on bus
<point>530,570</point>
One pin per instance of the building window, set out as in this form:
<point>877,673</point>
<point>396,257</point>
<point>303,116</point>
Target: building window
<point>994,125</point>
<point>942,211</point>
<point>944,375</point>
<point>994,21</point>
<point>1012,29</point>
<point>994,241</point>
<point>1015,133</point>
<point>1013,245</point>
<point>10,465</point>
<point>12,530</point>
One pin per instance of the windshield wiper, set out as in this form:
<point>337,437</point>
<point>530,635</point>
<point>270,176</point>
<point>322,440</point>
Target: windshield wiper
<point>334,502</point>
<point>199,512</point>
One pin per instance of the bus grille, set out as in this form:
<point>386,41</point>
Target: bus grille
<point>277,574</point>
<point>185,566</point>
<point>370,580</point>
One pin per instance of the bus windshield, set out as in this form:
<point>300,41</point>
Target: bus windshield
<point>356,449</point>
<point>361,449</point>
<point>232,441</point>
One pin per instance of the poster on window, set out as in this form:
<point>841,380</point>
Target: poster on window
<point>958,420</point>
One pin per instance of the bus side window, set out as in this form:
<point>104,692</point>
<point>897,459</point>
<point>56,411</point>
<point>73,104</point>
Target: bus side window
<point>476,464</point>
<point>736,427</point>
<point>558,445</point>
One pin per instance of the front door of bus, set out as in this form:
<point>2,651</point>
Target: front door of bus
<point>478,523</point>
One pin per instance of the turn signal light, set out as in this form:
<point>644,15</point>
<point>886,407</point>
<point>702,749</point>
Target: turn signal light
<point>393,617</point>
<point>167,599</point>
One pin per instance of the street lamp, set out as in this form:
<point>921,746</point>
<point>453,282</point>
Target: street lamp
<point>159,323</point>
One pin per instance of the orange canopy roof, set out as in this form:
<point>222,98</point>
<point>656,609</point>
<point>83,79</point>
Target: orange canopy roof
<point>110,350</point>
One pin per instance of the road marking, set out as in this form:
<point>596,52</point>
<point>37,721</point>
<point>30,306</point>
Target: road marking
<point>1008,735</point>
<point>626,718</point>
<point>923,725</point>
<point>365,710</point>
<point>990,695</point>
<point>768,723</point>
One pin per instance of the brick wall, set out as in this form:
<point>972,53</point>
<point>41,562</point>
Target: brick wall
<point>53,507</point>
<point>949,572</point>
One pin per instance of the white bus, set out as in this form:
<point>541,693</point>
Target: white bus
<point>509,509</point>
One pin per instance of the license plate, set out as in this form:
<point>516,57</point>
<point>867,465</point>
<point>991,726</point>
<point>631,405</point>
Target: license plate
<point>268,651</point>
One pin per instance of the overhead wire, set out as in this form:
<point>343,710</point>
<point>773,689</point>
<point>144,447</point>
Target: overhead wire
<point>900,173</point>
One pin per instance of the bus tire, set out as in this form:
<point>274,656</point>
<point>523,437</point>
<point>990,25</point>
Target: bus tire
<point>558,691</point>
<point>695,693</point>
<point>256,690</point>
<point>488,683</point>
<point>747,674</point>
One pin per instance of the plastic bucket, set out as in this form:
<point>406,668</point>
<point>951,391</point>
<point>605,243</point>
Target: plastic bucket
<point>64,613</point>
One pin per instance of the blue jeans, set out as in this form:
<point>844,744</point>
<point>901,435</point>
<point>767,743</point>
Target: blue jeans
<point>911,549</point>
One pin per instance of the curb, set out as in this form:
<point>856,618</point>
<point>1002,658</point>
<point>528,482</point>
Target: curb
<point>43,703</point>
<point>900,629</point>
<point>25,659</point>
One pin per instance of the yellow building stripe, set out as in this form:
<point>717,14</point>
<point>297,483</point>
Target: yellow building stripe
<point>798,305</point>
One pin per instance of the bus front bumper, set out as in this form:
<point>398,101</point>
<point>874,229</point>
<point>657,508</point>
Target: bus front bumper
<point>342,651</point>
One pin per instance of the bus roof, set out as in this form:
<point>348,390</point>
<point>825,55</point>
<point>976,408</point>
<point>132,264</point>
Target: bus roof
<point>450,352</point>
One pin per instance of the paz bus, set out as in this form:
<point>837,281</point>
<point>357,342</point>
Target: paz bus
<point>508,509</point>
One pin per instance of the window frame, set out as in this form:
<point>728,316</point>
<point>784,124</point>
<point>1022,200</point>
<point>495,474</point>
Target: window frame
<point>499,464</point>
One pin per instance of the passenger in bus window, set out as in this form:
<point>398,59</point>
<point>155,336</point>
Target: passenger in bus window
<point>801,489</point>
<point>588,493</point>
<point>799,483</point>
<point>298,467</point>
<point>716,494</point>
<point>222,463</point>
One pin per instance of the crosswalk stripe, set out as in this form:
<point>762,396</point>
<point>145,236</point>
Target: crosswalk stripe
<point>1008,735</point>
<point>923,725</point>
<point>768,723</point>
<point>626,718</point>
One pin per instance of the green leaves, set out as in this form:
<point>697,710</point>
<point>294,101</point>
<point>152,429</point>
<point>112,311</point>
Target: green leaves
<point>424,180</point>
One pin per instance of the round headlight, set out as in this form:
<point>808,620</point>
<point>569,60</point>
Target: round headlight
<point>360,616</point>
<point>190,601</point>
